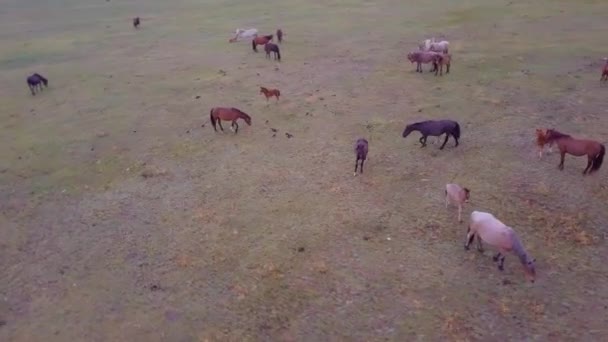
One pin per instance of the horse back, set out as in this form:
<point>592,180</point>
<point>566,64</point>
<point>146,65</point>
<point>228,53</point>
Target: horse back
<point>492,230</point>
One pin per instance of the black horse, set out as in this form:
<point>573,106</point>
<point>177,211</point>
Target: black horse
<point>270,47</point>
<point>434,128</point>
<point>136,22</point>
<point>361,149</point>
<point>35,82</point>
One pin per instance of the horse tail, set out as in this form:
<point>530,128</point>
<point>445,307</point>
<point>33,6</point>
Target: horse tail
<point>212,118</point>
<point>253,44</point>
<point>599,158</point>
<point>457,131</point>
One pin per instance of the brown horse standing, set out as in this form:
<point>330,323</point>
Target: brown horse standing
<point>260,41</point>
<point>605,72</point>
<point>136,22</point>
<point>578,147</point>
<point>218,114</point>
<point>270,47</point>
<point>270,93</point>
<point>280,35</point>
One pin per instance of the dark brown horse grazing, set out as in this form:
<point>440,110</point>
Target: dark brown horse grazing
<point>270,93</point>
<point>218,114</point>
<point>35,82</point>
<point>577,147</point>
<point>136,22</point>
<point>361,149</point>
<point>280,35</point>
<point>434,128</point>
<point>605,72</point>
<point>260,41</point>
<point>270,47</point>
<point>425,57</point>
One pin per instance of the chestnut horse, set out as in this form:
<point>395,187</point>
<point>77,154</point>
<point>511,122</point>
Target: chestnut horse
<point>541,141</point>
<point>270,93</point>
<point>578,147</point>
<point>218,114</point>
<point>260,41</point>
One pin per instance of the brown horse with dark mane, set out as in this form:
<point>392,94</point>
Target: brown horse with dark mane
<point>270,93</point>
<point>578,147</point>
<point>280,35</point>
<point>260,41</point>
<point>218,114</point>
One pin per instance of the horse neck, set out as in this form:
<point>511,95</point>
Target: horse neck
<point>409,129</point>
<point>518,249</point>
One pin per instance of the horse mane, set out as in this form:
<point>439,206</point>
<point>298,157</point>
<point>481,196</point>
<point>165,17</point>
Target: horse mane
<point>554,135</point>
<point>241,112</point>
<point>269,36</point>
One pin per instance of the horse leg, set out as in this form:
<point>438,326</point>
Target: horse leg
<point>589,164</point>
<point>362,162</point>
<point>561,162</point>
<point>422,141</point>
<point>236,127</point>
<point>460,213</point>
<point>219,122</point>
<point>496,256</point>
<point>501,262</point>
<point>469,239</point>
<point>32,89</point>
<point>445,141</point>
<point>479,244</point>
<point>455,139</point>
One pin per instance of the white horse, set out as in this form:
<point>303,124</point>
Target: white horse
<point>489,229</point>
<point>441,46</point>
<point>433,45</point>
<point>241,33</point>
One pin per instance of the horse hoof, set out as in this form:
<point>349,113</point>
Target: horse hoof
<point>501,268</point>
<point>355,174</point>
<point>466,248</point>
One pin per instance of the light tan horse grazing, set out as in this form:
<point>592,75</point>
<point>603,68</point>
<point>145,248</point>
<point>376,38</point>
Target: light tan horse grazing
<point>489,229</point>
<point>458,195</point>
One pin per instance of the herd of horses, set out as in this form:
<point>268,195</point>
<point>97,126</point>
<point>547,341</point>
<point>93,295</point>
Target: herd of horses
<point>482,226</point>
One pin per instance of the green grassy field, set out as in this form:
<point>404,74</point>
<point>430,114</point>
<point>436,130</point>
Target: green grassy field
<point>251,237</point>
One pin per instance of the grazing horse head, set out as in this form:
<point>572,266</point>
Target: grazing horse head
<point>410,57</point>
<point>529,267</point>
<point>408,129</point>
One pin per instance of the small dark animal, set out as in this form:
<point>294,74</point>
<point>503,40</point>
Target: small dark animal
<point>270,47</point>
<point>425,57</point>
<point>605,72</point>
<point>288,135</point>
<point>434,128</point>
<point>270,93</point>
<point>446,59</point>
<point>361,149</point>
<point>577,147</point>
<point>280,35</point>
<point>136,22</point>
<point>218,114</point>
<point>262,40</point>
<point>35,82</point>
